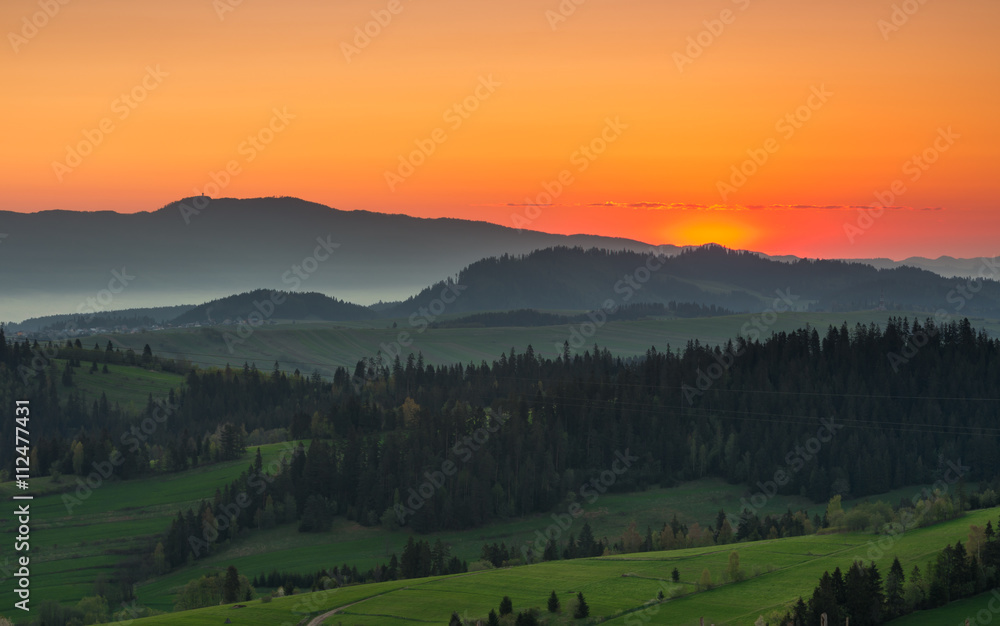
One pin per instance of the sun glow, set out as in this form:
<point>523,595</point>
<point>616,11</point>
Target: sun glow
<point>91,129</point>
<point>715,230</point>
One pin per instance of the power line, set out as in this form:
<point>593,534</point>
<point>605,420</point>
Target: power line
<point>755,416</point>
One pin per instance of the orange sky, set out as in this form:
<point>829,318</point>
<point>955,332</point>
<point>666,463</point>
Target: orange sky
<point>865,99</point>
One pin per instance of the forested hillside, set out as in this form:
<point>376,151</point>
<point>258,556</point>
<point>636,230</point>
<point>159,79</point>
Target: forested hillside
<point>132,318</point>
<point>264,304</point>
<point>574,278</point>
<point>743,413</point>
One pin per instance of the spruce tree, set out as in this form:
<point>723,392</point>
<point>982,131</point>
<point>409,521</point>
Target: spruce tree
<point>526,618</point>
<point>553,602</point>
<point>506,606</point>
<point>231,586</point>
<point>894,581</point>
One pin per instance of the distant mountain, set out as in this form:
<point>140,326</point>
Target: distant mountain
<point>199,249</point>
<point>946,266</point>
<point>532,317</point>
<point>132,318</point>
<point>264,305</point>
<point>574,278</point>
<point>195,250</point>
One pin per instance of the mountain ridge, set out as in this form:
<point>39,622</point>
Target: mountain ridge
<point>229,246</point>
<point>574,278</point>
<point>217,247</point>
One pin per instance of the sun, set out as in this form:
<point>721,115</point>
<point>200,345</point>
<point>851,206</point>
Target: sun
<point>725,233</point>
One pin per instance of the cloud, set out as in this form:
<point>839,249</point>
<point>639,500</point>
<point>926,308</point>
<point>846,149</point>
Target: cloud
<point>668,206</point>
<point>694,206</point>
<point>819,207</point>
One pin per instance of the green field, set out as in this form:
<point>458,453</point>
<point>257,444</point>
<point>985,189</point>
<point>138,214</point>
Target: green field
<point>127,385</point>
<point>980,610</point>
<point>324,346</point>
<point>70,549</point>
<point>617,588</point>
<point>286,549</point>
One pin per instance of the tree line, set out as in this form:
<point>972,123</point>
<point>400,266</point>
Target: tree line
<point>529,434</point>
<point>864,597</point>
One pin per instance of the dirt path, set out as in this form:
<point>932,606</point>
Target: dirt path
<point>319,619</point>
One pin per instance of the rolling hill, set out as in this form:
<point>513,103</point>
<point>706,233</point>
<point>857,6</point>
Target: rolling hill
<point>193,251</point>
<point>200,249</point>
<point>268,305</point>
<point>620,590</point>
<point>574,278</point>
<point>324,346</point>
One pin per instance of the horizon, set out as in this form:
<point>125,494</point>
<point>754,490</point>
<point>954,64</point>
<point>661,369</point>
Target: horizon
<point>680,244</point>
<point>22,310</point>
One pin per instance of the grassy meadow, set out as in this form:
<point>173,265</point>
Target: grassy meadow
<point>619,589</point>
<point>72,546</point>
<point>72,549</point>
<point>127,385</point>
<point>324,346</point>
<point>981,610</point>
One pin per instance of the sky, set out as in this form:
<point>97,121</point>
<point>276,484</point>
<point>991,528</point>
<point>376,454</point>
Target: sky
<point>851,129</point>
